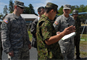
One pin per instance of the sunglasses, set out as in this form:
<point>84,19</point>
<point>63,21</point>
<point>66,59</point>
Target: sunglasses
<point>21,7</point>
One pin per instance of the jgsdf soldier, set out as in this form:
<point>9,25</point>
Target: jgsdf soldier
<point>0,43</point>
<point>62,22</point>
<point>47,40</point>
<point>77,37</point>
<point>34,25</point>
<point>15,39</point>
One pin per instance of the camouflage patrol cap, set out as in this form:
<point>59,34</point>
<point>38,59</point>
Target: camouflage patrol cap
<point>18,3</point>
<point>67,6</point>
<point>51,5</point>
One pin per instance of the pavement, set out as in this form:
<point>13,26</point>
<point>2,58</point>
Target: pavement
<point>33,54</point>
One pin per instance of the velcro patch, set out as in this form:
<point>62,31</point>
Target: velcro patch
<point>6,21</point>
<point>56,22</point>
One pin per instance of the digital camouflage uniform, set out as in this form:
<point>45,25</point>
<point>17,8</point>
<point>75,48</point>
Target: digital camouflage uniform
<point>77,37</point>
<point>0,43</point>
<point>45,30</point>
<point>15,37</point>
<point>67,46</point>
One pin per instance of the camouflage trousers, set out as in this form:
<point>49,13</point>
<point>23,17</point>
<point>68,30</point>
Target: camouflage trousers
<point>0,53</point>
<point>67,50</point>
<point>22,54</point>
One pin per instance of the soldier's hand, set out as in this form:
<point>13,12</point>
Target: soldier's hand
<point>29,46</point>
<point>11,53</point>
<point>69,30</point>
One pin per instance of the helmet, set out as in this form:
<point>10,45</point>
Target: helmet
<point>75,12</point>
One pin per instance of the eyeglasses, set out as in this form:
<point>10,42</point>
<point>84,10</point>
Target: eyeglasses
<point>21,7</point>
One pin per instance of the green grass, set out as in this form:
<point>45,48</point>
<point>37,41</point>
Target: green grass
<point>83,44</point>
<point>84,37</point>
<point>83,54</point>
<point>83,49</point>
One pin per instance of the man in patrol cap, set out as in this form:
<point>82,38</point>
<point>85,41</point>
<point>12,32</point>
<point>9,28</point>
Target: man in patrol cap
<point>47,40</point>
<point>15,39</point>
<point>34,26</point>
<point>62,22</point>
<point>77,37</point>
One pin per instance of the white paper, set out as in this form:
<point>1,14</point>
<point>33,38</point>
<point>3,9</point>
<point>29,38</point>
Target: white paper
<point>69,36</point>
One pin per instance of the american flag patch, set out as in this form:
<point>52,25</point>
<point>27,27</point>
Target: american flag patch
<point>56,23</point>
<point>5,20</point>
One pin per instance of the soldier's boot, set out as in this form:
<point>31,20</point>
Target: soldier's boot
<point>78,58</point>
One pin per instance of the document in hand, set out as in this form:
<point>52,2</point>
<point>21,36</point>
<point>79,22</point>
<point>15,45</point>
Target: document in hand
<point>69,36</point>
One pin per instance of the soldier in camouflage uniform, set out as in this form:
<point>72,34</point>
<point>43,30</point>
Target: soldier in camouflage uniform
<point>77,37</point>
<point>15,39</point>
<point>33,26</point>
<point>62,22</point>
<point>47,40</point>
<point>0,43</point>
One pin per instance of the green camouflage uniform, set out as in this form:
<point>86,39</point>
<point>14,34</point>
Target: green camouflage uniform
<point>45,30</point>
<point>77,37</point>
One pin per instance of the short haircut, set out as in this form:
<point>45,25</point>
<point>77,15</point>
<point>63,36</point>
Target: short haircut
<point>39,9</point>
<point>48,9</point>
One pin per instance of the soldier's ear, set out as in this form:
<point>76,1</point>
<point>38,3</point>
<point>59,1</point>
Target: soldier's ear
<point>15,6</point>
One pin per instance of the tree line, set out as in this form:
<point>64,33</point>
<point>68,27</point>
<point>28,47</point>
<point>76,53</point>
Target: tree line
<point>30,9</point>
<point>81,8</point>
<point>27,10</point>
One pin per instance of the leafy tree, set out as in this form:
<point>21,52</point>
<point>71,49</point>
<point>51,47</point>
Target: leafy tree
<point>1,15</point>
<point>5,10</point>
<point>60,10</point>
<point>72,8</point>
<point>31,10</point>
<point>82,8</point>
<point>11,8</point>
<point>77,7</point>
<point>26,10</point>
<point>85,8</point>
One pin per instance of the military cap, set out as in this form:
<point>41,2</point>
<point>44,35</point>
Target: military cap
<point>51,5</point>
<point>67,6</point>
<point>75,12</point>
<point>18,3</point>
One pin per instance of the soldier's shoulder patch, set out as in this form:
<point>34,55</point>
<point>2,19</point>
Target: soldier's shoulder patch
<point>56,22</point>
<point>6,21</point>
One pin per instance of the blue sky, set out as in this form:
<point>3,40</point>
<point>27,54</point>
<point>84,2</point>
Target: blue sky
<point>38,3</point>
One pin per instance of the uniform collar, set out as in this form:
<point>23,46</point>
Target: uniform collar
<point>65,18</point>
<point>15,16</point>
<point>46,18</point>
